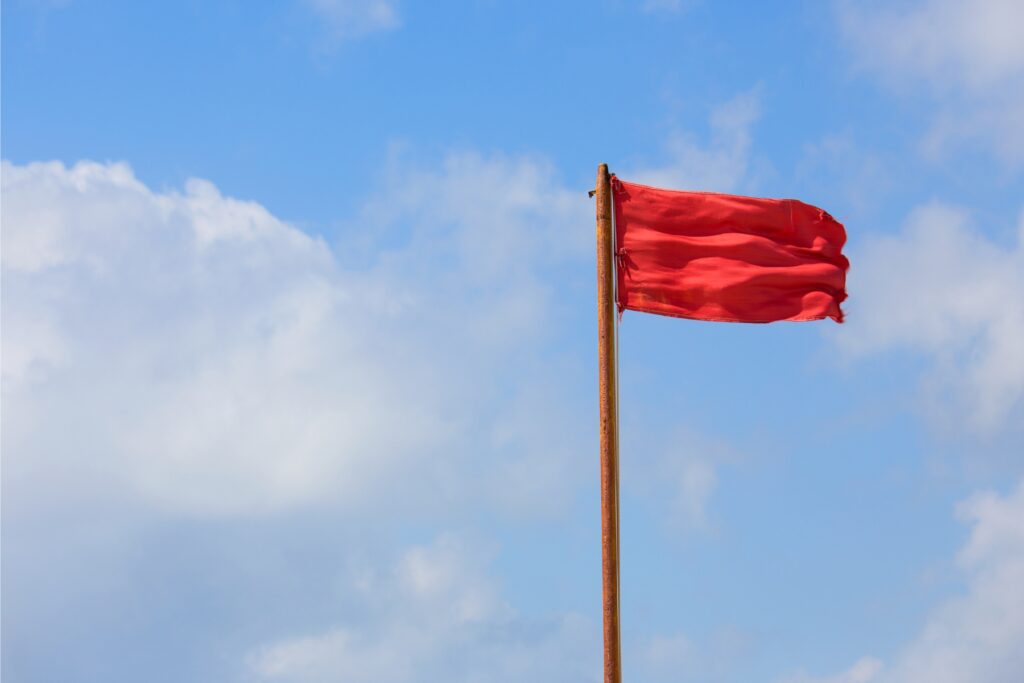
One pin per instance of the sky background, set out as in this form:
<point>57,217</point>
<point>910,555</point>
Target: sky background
<point>299,343</point>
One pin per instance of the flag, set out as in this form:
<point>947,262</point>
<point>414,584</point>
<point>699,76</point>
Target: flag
<point>726,258</point>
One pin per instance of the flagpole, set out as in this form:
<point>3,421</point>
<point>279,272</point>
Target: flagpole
<point>607,384</point>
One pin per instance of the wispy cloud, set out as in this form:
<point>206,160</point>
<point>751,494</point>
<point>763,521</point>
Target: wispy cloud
<point>966,54</point>
<point>681,479</point>
<point>669,658</point>
<point>943,289</point>
<point>672,6</point>
<point>721,163</point>
<point>436,615</point>
<point>349,19</point>
<point>975,636</point>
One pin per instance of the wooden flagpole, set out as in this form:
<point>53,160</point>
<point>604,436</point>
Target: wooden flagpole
<point>607,385</point>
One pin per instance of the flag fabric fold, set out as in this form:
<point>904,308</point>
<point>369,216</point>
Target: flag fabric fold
<point>726,258</point>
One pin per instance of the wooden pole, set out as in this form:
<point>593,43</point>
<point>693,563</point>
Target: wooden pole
<point>607,386</point>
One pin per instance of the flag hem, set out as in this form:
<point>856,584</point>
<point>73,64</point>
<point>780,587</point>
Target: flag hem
<point>839,318</point>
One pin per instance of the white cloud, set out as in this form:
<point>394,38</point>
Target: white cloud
<point>952,43</point>
<point>977,636</point>
<point>203,356</point>
<point>967,52</point>
<point>346,19</point>
<point>941,288</point>
<point>434,616</point>
<point>720,165</point>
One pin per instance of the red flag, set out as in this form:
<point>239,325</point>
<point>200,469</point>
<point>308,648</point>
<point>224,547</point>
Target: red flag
<point>721,257</point>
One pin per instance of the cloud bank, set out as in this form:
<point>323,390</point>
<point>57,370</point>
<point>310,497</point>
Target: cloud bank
<point>192,352</point>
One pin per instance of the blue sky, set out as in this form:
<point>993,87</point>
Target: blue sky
<point>299,346</point>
